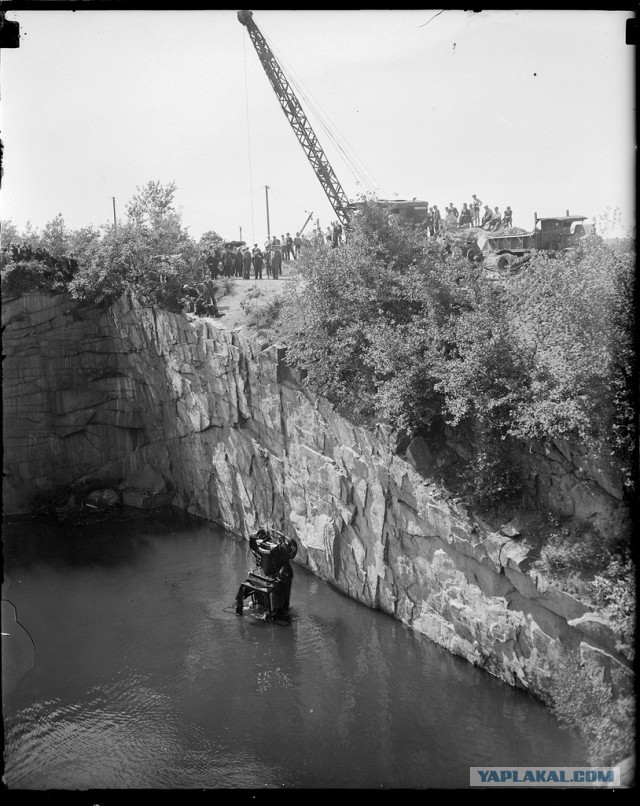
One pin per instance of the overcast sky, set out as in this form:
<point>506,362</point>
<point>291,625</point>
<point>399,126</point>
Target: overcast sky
<point>529,108</point>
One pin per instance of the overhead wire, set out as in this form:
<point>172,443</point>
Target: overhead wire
<point>246,96</point>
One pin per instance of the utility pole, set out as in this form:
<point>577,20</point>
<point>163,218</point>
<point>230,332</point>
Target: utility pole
<point>266,190</point>
<point>306,222</point>
<point>240,233</point>
<point>115,224</point>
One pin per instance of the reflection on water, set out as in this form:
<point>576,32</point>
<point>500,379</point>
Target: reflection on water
<point>143,677</point>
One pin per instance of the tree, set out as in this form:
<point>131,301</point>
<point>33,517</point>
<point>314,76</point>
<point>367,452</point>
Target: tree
<point>55,237</point>
<point>85,243</point>
<point>150,254</point>
<point>209,240</point>
<point>152,204</point>
<point>9,232</point>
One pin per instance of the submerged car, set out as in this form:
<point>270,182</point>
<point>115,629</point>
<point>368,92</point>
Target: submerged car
<point>268,586</point>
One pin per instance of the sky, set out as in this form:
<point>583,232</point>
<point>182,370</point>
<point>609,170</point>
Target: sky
<point>532,109</point>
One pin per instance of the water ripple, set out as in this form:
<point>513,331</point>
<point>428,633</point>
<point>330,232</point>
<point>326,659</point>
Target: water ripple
<point>144,679</point>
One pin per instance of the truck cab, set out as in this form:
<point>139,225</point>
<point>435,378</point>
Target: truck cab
<point>560,232</point>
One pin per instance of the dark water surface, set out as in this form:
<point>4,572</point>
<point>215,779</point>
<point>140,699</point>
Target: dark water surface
<point>140,679</point>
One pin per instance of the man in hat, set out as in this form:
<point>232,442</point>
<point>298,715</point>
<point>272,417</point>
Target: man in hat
<point>258,263</point>
<point>246,264</point>
<point>276,262</point>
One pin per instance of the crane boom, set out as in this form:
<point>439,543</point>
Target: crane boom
<point>298,120</point>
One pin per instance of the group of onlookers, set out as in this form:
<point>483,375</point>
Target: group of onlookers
<point>237,260</point>
<point>471,215</point>
<point>200,299</point>
<point>62,267</point>
<point>333,235</point>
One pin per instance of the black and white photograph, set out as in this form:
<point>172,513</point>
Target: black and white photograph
<point>319,388</point>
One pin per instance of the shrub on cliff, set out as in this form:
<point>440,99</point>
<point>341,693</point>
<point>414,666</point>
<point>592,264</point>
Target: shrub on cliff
<point>396,327</point>
<point>606,723</point>
<point>363,320</point>
<point>572,321</point>
<point>29,275</point>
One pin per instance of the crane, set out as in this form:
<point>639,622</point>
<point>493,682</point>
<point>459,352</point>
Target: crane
<point>408,212</point>
<point>298,120</point>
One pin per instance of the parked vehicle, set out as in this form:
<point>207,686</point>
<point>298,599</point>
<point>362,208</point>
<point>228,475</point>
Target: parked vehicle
<point>503,250</point>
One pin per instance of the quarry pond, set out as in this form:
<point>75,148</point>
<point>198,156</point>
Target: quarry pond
<point>127,668</point>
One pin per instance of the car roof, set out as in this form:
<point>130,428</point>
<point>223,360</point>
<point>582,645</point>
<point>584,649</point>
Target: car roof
<point>563,218</point>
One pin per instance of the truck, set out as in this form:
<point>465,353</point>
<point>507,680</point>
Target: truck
<point>506,250</point>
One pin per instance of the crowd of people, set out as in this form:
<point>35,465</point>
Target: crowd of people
<point>472,214</point>
<point>235,259</point>
<point>61,267</point>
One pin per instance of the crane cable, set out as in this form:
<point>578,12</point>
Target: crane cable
<point>354,165</point>
<point>357,168</point>
<point>246,98</point>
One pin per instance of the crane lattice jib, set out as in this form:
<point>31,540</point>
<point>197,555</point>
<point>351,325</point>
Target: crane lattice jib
<point>298,120</point>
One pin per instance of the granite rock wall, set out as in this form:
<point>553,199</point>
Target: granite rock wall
<point>99,395</point>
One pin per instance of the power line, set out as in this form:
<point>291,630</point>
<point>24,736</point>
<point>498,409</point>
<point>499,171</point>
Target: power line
<point>246,96</point>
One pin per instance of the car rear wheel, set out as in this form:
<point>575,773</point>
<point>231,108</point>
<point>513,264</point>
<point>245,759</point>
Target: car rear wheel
<point>504,262</point>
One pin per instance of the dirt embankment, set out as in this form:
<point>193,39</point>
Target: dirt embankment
<point>238,305</point>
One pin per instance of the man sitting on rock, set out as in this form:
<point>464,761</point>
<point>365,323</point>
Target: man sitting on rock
<point>486,218</point>
<point>206,303</point>
<point>188,299</point>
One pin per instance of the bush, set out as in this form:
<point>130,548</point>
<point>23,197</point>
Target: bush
<point>149,255</point>
<point>27,276</point>
<point>572,321</point>
<point>615,595</point>
<point>361,320</point>
<point>263,316</point>
<point>399,328</point>
<point>490,478</point>
<point>574,550</point>
<point>606,724</point>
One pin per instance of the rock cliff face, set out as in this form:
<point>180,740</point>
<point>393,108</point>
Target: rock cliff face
<point>91,395</point>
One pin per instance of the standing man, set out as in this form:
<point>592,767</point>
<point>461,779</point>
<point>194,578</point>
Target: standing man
<point>267,258</point>
<point>246,264</point>
<point>276,262</point>
<point>258,263</point>
<point>228,262</point>
<point>217,258</point>
<point>437,219</point>
<point>290,250</point>
<point>428,222</point>
<point>476,204</point>
<point>211,267</point>
<point>237,262</point>
<point>297,243</point>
